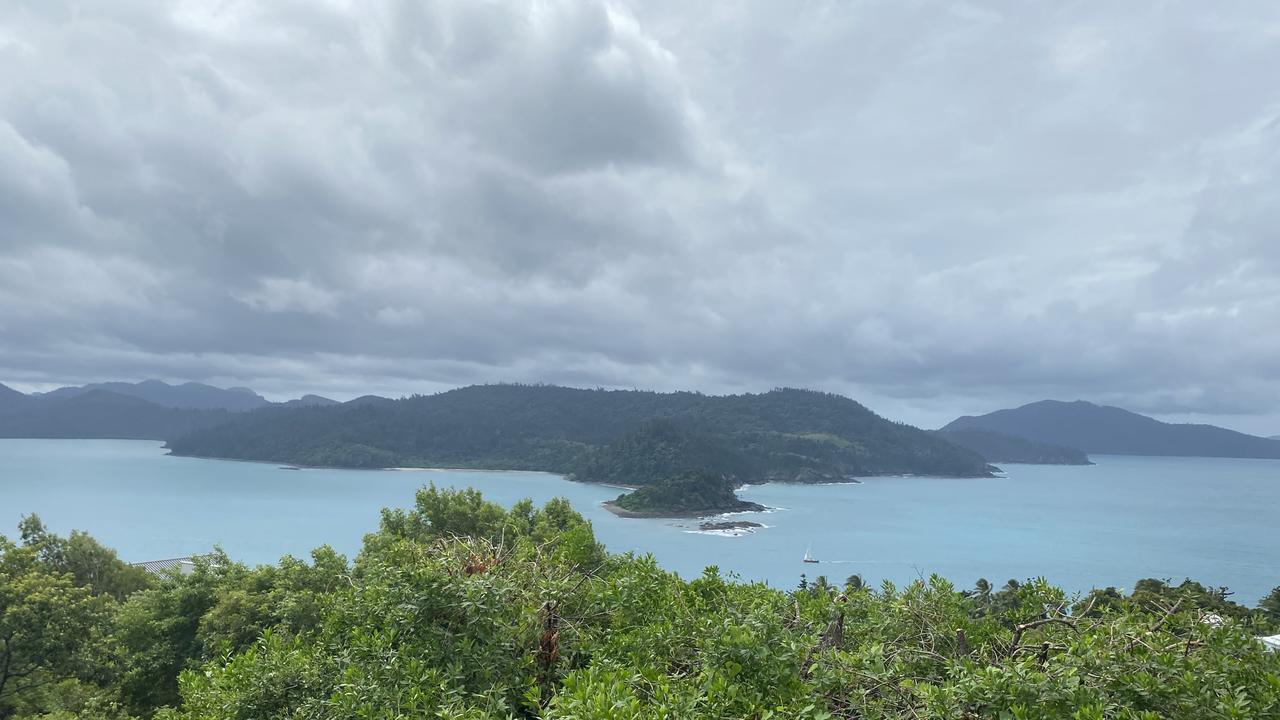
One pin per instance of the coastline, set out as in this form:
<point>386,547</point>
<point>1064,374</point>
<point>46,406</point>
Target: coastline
<point>300,466</point>
<point>474,470</point>
<point>848,480</point>
<point>277,463</point>
<point>609,505</point>
<point>612,506</point>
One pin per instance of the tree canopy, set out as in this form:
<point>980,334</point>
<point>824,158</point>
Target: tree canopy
<point>459,608</point>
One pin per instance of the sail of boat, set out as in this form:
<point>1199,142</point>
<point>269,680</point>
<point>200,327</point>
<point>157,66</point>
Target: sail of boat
<point>808,554</point>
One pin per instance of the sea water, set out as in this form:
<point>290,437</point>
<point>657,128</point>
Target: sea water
<point>1125,518</point>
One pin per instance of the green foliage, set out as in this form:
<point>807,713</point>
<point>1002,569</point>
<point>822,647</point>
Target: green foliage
<point>440,514</point>
<point>457,608</point>
<point>158,633</point>
<point>691,493</point>
<point>89,563</point>
<point>51,630</point>
<point>662,449</point>
<point>1213,603</point>
<point>1270,607</point>
<point>219,609</point>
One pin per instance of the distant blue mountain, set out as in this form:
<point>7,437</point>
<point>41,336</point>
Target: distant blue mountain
<point>1000,448</point>
<point>103,414</point>
<point>309,401</point>
<point>150,410</point>
<point>191,395</point>
<point>10,399</point>
<point>1102,430</point>
<point>375,400</point>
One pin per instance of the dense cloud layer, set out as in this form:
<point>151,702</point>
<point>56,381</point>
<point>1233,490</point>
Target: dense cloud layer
<point>934,207</point>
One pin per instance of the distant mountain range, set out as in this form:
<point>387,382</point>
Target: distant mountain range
<point>151,410</point>
<point>602,435</point>
<point>999,448</point>
<point>10,397</point>
<point>1100,429</point>
<point>99,414</point>
<point>191,395</point>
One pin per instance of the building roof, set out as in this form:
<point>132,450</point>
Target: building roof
<point>1272,642</point>
<point>184,565</point>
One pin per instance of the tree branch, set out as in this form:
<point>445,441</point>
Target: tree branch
<point>1072,622</point>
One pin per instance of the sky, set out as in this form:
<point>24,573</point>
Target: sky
<point>937,208</point>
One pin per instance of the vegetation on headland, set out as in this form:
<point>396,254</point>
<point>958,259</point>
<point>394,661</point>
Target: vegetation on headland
<point>663,449</point>
<point>690,494</point>
<point>787,435</point>
<point>458,608</point>
<point>995,447</point>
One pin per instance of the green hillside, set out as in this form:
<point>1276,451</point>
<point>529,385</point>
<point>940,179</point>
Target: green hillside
<point>791,435</point>
<point>663,449</point>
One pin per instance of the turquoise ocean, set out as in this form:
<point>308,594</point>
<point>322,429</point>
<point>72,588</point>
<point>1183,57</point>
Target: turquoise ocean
<point>1211,519</point>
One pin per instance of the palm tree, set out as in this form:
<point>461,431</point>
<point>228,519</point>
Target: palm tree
<point>981,596</point>
<point>820,584</point>
<point>1007,599</point>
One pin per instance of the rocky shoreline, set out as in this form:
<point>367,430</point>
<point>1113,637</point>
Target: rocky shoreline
<point>729,525</point>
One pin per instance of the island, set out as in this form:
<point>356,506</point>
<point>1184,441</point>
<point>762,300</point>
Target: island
<point>685,452</point>
<point>691,494</point>
<point>630,438</point>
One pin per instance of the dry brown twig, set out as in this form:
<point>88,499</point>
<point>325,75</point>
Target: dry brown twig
<point>1072,622</point>
<point>1168,613</point>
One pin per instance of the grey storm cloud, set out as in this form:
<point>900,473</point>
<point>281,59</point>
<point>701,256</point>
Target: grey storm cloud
<point>932,206</point>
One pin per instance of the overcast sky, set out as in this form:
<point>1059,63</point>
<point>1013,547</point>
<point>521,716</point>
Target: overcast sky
<point>934,207</point>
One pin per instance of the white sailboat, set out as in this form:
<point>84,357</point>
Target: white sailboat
<point>808,554</point>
